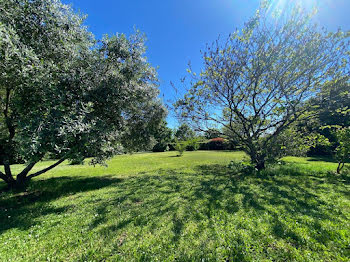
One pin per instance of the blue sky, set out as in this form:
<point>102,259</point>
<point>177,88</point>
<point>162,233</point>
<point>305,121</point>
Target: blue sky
<point>178,29</point>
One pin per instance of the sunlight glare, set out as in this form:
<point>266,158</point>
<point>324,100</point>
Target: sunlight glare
<point>282,6</point>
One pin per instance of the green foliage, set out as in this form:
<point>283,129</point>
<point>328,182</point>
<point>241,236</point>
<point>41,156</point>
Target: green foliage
<point>184,132</point>
<point>330,108</point>
<point>180,147</point>
<point>217,143</point>
<point>193,144</point>
<point>77,161</point>
<point>332,104</point>
<point>258,82</point>
<point>212,133</point>
<point>185,139</point>
<point>64,93</point>
<point>155,207</point>
<point>163,137</point>
<point>342,152</point>
<point>295,141</point>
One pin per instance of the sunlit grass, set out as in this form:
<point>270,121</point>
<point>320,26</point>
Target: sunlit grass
<point>157,207</point>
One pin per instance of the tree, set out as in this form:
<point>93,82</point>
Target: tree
<point>331,107</point>
<point>163,137</point>
<point>332,104</point>
<point>296,140</point>
<point>261,77</point>
<point>211,133</point>
<point>66,94</point>
<point>184,132</point>
<point>342,152</point>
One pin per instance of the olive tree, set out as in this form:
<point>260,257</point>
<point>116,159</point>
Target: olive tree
<point>257,82</point>
<point>64,93</point>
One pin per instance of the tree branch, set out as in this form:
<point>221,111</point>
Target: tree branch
<point>7,169</point>
<point>3,176</point>
<point>46,169</point>
<point>26,170</point>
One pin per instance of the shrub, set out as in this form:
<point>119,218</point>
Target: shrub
<point>192,144</point>
<point>180,146</point>
<point>160,147</point>
<point>217,144</point>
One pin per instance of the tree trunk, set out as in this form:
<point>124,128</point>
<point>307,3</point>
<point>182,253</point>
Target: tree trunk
<point>7,176</point>
<point>8,180</point>
<point>260,164</point>
<point>20,183</point>
<point>23,178</point>
<point>340,167</point>
<point>257,160</point>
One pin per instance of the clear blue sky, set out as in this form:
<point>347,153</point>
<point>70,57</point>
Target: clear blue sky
<point>178,29</point>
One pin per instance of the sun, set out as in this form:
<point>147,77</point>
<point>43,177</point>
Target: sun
<point>286,5</point>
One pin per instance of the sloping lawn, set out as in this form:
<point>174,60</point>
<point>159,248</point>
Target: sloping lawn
<point>157,207</point>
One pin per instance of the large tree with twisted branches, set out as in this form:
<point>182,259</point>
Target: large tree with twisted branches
<point>259,81</point>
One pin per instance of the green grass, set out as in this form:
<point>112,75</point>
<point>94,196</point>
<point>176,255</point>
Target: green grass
<point>157,207</point>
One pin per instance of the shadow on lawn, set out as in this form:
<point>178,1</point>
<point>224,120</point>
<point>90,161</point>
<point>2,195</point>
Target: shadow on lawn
<point>183,198</point>
<point>177,198</point>
<point>19,210</point>
<point>321,158</point>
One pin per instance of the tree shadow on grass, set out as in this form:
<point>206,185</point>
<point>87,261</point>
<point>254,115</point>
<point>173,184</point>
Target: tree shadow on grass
<point>321,158</point>
<point>19,210</point>
<point>327,159</point>
<point>175,199</point>
<point>182,198</point>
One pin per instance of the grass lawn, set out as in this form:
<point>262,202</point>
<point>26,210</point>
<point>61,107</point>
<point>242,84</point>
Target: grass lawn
<point>157,207</point>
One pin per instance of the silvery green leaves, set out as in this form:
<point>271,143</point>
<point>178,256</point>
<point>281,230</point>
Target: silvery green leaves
<point>67,95</point>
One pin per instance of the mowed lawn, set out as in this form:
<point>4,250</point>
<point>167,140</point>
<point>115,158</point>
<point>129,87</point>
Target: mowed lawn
<point>158,207</point>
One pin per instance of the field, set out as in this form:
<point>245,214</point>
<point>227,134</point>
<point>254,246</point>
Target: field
<point>159,207</point>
